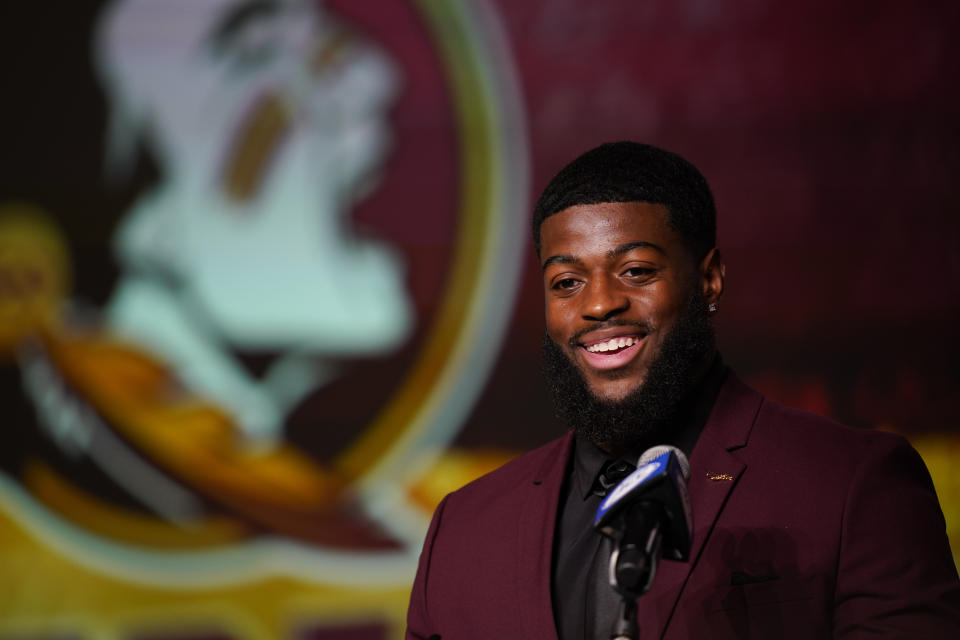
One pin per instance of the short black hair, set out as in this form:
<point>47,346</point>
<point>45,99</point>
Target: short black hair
<point>634,172</point>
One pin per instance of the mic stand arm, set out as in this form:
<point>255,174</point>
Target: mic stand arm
<point>632,568</point>
<point>625,626</point>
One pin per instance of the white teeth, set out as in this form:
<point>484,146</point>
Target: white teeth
<point>612,345</point>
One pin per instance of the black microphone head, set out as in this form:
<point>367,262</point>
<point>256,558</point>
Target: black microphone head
<point>659,450</point>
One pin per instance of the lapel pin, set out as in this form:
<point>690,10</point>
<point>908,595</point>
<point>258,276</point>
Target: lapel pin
<point>719,477</point>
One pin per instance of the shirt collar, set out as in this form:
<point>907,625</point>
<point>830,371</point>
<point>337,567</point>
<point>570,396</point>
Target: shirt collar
<point>588,461</point>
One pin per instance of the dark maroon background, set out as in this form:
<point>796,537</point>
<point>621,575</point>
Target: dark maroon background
<point>827,130</point>
<point>829,133</point>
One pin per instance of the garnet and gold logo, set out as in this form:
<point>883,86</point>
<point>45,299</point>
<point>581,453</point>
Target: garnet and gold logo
<point>246,437</point>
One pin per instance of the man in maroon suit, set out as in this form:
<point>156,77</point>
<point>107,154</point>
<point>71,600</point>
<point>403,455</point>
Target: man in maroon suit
<point>803,528</point>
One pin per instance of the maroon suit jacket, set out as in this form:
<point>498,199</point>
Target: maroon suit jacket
<point>836,532</point>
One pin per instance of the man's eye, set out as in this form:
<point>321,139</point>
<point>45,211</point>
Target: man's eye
<point>565,284</point>
<point>638,272</point>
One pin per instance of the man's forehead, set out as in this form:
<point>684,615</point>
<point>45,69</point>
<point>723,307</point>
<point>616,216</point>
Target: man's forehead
<point>610,223</point>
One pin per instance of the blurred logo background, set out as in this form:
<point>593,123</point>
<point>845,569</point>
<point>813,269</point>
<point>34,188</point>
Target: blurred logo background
<point>267,294</point>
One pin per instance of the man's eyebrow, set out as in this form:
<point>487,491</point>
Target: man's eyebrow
<point>630,246</point>
<point>563,258</point>
<point>559,259</point>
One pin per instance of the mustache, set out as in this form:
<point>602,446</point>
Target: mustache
<point>643,326</point>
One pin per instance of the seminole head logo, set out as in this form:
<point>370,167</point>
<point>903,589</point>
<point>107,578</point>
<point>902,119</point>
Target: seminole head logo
<point>293,258</point>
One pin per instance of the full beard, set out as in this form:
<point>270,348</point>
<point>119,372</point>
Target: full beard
<point>646,414</point>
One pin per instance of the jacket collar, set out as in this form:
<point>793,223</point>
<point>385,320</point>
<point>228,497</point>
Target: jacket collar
<point>714,473</point>
<point>535,544</point>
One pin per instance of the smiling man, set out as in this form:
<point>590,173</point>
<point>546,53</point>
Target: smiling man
<point>628,330</point>
<point>803,528</point>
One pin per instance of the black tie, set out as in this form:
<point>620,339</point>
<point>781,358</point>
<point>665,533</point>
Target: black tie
<point>611,474</point>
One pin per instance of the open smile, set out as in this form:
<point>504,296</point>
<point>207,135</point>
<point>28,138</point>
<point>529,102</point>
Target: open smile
<point>612,352</point>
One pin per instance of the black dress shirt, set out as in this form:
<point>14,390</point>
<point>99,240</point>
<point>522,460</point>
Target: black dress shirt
<point>583,603</point>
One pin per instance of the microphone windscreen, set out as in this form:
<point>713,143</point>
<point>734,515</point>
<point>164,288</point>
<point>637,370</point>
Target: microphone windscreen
<point>653,452</point>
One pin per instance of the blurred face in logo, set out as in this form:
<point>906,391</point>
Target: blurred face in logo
<point>269,121</point>
<point>628,332</point>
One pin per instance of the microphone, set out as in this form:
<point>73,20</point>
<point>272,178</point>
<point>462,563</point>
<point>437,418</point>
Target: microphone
<point>647,516</point>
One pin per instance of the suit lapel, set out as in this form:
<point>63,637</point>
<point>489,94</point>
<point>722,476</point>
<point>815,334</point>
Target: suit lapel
<point>535,543</point>
<point>714,472</point>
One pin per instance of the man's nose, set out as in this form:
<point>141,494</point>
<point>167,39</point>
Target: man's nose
<point>603,300</point>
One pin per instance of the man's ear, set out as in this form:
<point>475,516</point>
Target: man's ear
<point>712,273</point>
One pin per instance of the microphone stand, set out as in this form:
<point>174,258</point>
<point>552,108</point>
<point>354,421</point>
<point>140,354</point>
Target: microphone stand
<point>625,626</point>
<point>633,565</point>
<point>647,514</point>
